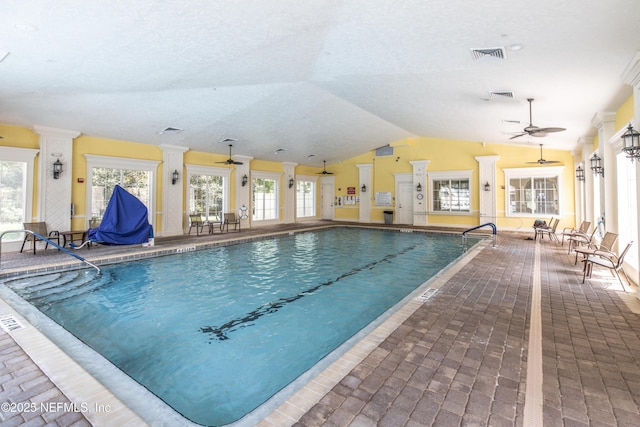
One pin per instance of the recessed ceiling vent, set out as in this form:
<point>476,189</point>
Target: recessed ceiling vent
<point>492,52</point>
<point>501,95</point>
<point>170,130</point>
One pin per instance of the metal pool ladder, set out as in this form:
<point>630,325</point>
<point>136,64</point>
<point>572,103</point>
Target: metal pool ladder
<point>48,241</point>
<point>488,224</point>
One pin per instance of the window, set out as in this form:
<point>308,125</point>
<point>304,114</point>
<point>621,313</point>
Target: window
<point>450,191</point>
<point>264,190</point>
<point>627,208</point>
<point>105,179</point>
<point>135,176</point>
<point>208,191</point>
<point>206,196</point>
<point>16,189</point>
<point>533,192</point>
<point>306,197</point>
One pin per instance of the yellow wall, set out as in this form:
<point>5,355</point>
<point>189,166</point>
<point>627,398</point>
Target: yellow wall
<point>450,155</point>
<point>624,114</point>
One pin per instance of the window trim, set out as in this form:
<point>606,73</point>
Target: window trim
<point>151,166</point>
<point>314,180</point>
<point>539,172</point>
<point>277,177</point>
<point>28,156</point>
<point>225,173</point>
<point>443,175</point>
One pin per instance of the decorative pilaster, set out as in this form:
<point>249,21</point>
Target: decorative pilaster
<point>289,193</point>
<point>365,198</point>
<point>172,194</point>
<point>589,179</point>
<point>487,188</point>
<point>54,195</point>
<point>242,194</point>
<point>578,192</point>
<point>606,125</point>
<point>420,197</point>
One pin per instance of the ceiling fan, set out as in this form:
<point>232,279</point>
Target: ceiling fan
<point>535,130</point>
<point>542,161</point>
<point>230,161</point>
<point>324,169</point>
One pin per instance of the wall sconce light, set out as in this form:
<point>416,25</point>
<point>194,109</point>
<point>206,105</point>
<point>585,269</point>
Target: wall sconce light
<point>580,173</point>
<point>631,140</point>
<point>596,166</point>
<point>174,177</point>
<point>291,182</point>
<point>487,186</point>
<point>245,179</point>
<point>57,169</point>
<point>419,187</point>
<point>363,189</point>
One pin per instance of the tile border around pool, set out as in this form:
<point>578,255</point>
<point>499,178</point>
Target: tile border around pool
<point>82,387</point>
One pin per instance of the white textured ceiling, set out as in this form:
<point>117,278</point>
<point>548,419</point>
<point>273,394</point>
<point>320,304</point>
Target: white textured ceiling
<point>334,78</point>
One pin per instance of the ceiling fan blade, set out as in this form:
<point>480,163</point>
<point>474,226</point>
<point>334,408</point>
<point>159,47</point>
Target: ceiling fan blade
<point>518,135</point>
<point>549,130</point>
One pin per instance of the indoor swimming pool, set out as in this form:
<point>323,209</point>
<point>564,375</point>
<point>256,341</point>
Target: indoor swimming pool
<point>215,333</point>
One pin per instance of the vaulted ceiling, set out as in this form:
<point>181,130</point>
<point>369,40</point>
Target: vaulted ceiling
<point>321,80</point>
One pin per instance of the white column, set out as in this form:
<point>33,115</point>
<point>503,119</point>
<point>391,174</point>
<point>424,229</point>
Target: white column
<point>289,192</point>
<point>420,198</point>
<point>606,125</point>
<point>589,182</point>
<point>54,195</point>
<point>365,198</point>
<point>172,194</point>
<point>242,194</point>
<point>578,192</point>
<point>487,175</point>
<point>631,76</point>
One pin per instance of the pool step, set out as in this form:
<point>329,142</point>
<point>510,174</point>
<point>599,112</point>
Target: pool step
<point>63,286</point>
<point>36,282</point>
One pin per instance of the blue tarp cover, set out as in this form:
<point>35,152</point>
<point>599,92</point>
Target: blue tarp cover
<point>125,221</point>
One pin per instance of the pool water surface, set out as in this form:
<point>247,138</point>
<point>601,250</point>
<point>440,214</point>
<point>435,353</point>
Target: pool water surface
<point>217,332</point>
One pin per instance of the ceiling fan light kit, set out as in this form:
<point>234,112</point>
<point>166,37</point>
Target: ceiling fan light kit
<point>324,169</point>
<point>542,161</point>
<point>230,160</point>
<point>536,131</point>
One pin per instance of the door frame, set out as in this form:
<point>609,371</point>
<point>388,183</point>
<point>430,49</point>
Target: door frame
<point>402,179</point>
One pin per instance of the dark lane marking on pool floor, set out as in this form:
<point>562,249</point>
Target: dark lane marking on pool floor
<point>220,333</point>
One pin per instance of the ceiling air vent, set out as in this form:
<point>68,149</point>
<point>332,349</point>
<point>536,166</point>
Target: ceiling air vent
<point>387,150</point>
<point>492,52</point>
<point>170,130</point>
<point>501,95</point>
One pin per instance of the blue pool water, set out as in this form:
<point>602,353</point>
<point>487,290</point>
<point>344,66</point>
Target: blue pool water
<point>215,333</point>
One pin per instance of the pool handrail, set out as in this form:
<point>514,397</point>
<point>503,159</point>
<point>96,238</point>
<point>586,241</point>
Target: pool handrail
<point>49,242</point>
<point>488,224</point>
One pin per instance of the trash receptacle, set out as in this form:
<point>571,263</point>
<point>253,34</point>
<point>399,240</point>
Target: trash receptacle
<point>388,217</point>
